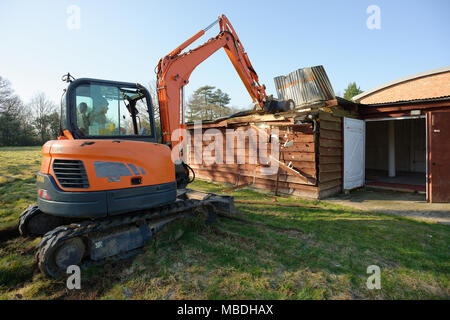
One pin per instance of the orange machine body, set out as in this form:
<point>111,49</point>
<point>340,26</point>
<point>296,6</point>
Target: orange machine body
<point>149,161</point>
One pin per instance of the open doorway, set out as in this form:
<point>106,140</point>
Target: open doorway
<point>396,154</point>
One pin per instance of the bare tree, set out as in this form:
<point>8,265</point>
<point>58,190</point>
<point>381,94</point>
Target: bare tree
<point>15,120</point>
<point>8,101</point>
<point>143,111</point>
<point>44,112</point>
<point>152,88</point>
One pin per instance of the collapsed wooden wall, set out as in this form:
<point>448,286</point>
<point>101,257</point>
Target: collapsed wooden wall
<point>301,154</point>
<point>316,153</point>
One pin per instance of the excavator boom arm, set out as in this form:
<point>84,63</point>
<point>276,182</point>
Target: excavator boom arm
<point>175,69</point>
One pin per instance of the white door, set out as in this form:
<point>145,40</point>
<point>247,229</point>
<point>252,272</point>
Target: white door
<point>354,153</point>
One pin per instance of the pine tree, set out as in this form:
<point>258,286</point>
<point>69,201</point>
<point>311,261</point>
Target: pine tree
<point>208,104</point>
<point>351,91</point>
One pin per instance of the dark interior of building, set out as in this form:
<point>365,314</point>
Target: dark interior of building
<point>396,154</point>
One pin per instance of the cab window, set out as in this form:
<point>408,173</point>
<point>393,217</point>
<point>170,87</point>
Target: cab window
<point>106,110</point>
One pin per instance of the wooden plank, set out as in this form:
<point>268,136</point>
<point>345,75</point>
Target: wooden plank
<point>223,123</point>
<point>281,123</point>
<point>304,129</point>
<point>299,173</point>
<point>330,134</point>
<point>231,143</point>
<point>331,103</point>
<point>283,177</point>
<point>339,111</point>
<point>299,138</point>
<point>329,159</point>
<point>330,167</point>
<point>328,116</point>
<point>298,159</point>
<point>307,166</point>
<point>288,178</point>
<point>329,184</point>
<point>303,164</point>
<point>299,133</point>
<point>310,192</point>
<point>244,157</point>
<point>330,143</point>
<point>259,118</point>
<point>330,151</point>
<point>242,167</point>
<point>299,156</point>
<point>265,183</point>
<point>329,192</point>
<point>298,147</point>
<point>208,161</point>
<point>328,176</point>
<point>250,173</point>
<point>330,125</point>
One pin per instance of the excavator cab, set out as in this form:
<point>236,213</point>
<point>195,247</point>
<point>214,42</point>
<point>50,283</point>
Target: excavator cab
<point>101,109</point>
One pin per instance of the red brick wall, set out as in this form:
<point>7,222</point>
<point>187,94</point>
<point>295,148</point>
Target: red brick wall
<point>431,86</point>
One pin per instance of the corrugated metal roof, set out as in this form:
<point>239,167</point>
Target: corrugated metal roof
<point>305,86</point>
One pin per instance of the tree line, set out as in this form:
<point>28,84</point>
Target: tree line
<point>34,123</point>
<point>26,124</point>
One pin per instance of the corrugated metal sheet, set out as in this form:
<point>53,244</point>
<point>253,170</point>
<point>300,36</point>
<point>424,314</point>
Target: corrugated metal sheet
<point>305,86</point>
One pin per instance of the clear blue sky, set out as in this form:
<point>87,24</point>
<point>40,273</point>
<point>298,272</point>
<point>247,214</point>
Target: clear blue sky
<point>123,40</point>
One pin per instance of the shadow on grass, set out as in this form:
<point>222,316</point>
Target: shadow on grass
<point>13,277</point>
<point>9,233</point>
<point>334,236</point>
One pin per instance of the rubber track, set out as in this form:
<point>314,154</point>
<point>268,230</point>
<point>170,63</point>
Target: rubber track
<point>52,239</point>
<point>25,216</point>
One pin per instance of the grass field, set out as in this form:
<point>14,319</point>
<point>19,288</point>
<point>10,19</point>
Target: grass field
<point>276,253</point>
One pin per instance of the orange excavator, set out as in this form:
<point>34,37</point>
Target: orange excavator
<point>107,184</point>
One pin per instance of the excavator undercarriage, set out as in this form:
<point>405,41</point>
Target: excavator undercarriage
<point>93,242</point>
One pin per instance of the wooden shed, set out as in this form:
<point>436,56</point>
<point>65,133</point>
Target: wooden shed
<point>395,136</point>
<point>310,159</point>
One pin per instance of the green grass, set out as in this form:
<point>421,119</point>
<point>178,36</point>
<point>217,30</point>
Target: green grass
<point>18,168</point>
<point>279,253</point>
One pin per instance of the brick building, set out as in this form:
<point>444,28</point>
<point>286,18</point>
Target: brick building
<point>408,134</point>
